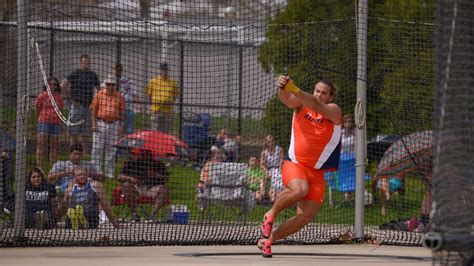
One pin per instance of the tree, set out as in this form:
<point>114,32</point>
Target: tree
<point>317,39</point>
<point>310,40</point>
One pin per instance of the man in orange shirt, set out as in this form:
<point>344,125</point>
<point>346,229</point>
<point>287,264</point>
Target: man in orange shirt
<point>314,148</point>
<point>107,108</point>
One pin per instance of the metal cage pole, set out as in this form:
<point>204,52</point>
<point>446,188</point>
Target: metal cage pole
<point>20,171</point>
<point>360,116</point>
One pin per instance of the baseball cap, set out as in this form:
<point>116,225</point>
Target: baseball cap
<point>163,66</point>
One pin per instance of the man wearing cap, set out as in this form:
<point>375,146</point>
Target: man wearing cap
<point>163,91</point>
<point>108,107</point>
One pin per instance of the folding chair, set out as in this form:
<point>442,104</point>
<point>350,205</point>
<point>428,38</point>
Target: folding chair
<point>227,184</point>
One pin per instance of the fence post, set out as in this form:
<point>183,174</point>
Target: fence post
<point>360,116</point>
<point>239,122</point>
<point>20,169</point>
<point>181,87</point>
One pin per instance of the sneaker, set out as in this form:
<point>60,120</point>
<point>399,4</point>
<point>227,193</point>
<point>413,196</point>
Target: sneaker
<point>135,218</point>
<point>266,226</point>
<point>71,214</point>
<point>265,247</point>
<point>81,218</point>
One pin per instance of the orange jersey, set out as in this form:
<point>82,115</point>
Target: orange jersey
<point>315,140</point>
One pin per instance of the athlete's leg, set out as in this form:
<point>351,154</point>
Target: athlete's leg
<point>296,190</point>
<point>305,212</point>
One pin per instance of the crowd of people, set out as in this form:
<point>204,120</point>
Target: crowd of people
<point>264,175</point>
<point>100,112</point>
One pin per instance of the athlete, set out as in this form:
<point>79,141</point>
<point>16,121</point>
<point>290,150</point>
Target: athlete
<point>314,148</point>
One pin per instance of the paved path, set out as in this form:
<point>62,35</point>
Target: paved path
<point>217,255</point>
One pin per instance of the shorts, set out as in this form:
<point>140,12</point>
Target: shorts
<point>314,177</point>
<point>76,114</point>
<point>48,129</point>
<point>394,184</point>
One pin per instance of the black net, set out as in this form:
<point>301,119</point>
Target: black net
<point>453,222</point>
<point>174,102</point>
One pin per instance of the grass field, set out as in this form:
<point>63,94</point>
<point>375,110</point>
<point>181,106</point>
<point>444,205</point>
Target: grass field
<point>183,181</point>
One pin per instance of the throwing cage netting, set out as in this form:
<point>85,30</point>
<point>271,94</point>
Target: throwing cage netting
<point>183,105</point>
<point>453,183</point>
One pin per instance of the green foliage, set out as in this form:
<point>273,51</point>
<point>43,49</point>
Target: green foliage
<point>310,40</point>
<point>277,121</point>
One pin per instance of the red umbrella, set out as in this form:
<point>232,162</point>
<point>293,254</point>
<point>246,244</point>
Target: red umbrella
<point>160,144</point>
<point>412,152</point>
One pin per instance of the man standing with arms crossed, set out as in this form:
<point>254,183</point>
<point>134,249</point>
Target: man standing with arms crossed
<point>79,87</point>
<point>314,148</point>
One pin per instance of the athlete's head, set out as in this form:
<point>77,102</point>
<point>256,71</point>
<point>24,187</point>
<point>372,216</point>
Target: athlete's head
<point>325,91</point>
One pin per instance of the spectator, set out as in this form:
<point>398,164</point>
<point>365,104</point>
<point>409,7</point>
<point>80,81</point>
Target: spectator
<point>62,172</point>
<point>271,160</point>
<point>217,155</point>
<point>346,172</point>
<point>41,204</point>
<point>129,93</point>
<point>348,134</point>
<point>163,91</point>
<point>79,87</point>
<point>226,143</point>
<point>145,177</point>
<point>82,201</point>
<point>48,122</point>
<point>7,180</point>
<point>107,116</point>
<point>256,178</point>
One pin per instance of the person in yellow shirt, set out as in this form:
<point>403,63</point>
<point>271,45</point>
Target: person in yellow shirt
<point>163,91</point>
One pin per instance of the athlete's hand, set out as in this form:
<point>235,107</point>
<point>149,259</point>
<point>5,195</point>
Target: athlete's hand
<point>291,87</point>
<point>285,83</point>
<point>281,81</point>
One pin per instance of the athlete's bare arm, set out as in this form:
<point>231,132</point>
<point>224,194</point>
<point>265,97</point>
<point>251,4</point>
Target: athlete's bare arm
<point>297,98</point>
<point>330,111</point>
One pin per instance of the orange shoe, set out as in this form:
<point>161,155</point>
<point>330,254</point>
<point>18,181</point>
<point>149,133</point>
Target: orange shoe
<point>266,226</point>
<point>265,247</point>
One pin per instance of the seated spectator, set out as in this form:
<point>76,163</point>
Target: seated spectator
<point>227,144</point>
<point>62,172</point>
<point>7,180</point>
<point>145,177</point>
<point>217,155</point>
<point>271,160</point>
<point>82,201</point>
<point>256,179</point>
<point>41,204</point>
<point>48,122</point>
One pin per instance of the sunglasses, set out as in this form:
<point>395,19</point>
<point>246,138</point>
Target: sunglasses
<point>110,84</point>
